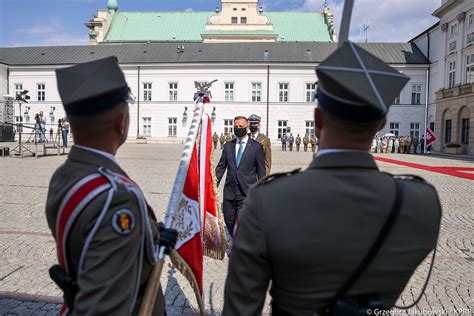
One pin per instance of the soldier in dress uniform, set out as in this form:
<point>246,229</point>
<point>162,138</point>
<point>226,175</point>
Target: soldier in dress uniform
<point>215,139</point>
<point>408,144</point>
<point>305,142</point>
<point>298,142</point>
<point>228,138</point>
<point>106,233</point>
<point>312,141</point>
<point>254,124</point>
<point>284,140</point>
<point>291,141</point>
<point>306,233</point>
<point>222,140</point>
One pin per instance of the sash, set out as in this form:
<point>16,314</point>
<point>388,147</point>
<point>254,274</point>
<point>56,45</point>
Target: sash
<point>81,194</point>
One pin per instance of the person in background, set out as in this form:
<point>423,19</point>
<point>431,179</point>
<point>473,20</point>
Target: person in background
<point>244,161</point>
<point>397,145</point>
<point>415,143</point>
<point>298,142</point>
<point>65,130</point>
<point>215,139</point>
<point>305,142</point>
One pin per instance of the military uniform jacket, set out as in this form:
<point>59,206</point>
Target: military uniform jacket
<point>267,151</point>
<point>307,233</point>
<point>111,265</point>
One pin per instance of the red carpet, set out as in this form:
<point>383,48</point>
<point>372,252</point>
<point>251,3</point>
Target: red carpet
<point>450,171</point>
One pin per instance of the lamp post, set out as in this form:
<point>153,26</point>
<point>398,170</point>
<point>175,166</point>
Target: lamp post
<point>185,115</point>
<point>213,115</point>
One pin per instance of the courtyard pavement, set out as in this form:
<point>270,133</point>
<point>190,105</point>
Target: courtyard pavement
<point>28,250</point>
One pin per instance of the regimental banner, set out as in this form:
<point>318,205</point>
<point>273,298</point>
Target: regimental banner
<point>430,137</point>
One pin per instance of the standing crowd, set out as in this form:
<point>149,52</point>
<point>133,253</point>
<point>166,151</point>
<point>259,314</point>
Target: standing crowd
<point>398,145</point>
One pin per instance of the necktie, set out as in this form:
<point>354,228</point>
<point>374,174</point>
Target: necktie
<point>240,152</point>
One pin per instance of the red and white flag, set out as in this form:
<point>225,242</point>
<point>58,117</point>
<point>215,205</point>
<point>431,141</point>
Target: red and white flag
<point>430,137</point>
<point>199,219</point>
<point>188,223</point>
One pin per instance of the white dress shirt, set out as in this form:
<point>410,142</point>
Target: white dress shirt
<point>237,145</point>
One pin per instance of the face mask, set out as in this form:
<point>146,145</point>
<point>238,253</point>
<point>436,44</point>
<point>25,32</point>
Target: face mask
<point>240,131</point>
<point>254,129</point>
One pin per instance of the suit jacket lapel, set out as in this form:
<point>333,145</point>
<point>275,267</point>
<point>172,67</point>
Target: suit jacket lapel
<point>233,152</point>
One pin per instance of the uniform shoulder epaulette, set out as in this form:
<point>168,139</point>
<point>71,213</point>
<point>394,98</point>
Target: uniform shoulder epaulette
<point>408,177</point>
<point>274,176</point>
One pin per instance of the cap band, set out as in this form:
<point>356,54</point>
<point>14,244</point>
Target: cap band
<point>347,111</point>
<point>99,104</point>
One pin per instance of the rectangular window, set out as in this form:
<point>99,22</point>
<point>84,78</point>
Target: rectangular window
<point>432,126</point>
<point>147,91</point>
<point>471,19</point>
<point>228,127</point>
<point>256,92</point>
<point>451,74</point>
<point>470,68</point>
<point>415,130</point>
<point>416,94</point>
<point>282,128</point>
<point>172,126</point>
<point>395,128</point>
<point>309,128</point>
<point>146,126</point>
<point>283,92</point>
<point>41,91</point>
<point>310,92</point>
<point>229,91</point>
<point>18,88</point>
<point>465,131</point>
<point>447,131</point>
<point>235,20</point>
<point>243,20</point>
<point>454,29</point>
<point>173,92</point>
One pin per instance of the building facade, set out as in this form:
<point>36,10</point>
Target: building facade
<point>449,45</point>
<point>275,81</point>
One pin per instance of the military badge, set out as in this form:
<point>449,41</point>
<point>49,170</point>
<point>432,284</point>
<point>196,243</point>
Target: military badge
<point>123,221</point>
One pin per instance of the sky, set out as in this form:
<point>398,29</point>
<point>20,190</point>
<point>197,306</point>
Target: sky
<point>61,22</point>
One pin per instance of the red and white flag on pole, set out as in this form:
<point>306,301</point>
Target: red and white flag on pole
<point>430,137</point>
<point>199,219</point>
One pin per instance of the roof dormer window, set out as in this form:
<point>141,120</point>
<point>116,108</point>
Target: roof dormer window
<point>243,20</point>
<point>235,20</point>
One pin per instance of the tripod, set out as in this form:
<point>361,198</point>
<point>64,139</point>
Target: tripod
<point>20,149</point>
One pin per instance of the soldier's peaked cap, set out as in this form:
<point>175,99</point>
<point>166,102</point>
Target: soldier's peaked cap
<point>92,87</point>
<point>255,119</point>
<point>357,86</point>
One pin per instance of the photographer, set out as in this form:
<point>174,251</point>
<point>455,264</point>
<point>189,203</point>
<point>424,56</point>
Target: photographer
<point>40,121</point>
<point>64,123</point>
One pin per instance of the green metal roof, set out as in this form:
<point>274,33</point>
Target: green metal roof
<point>299,26</point>
<point>257,32</point>
<point>188,26</point>
<point>157,26</point>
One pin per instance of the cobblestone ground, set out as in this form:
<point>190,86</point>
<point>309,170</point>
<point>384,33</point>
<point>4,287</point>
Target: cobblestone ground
<point>28,250</point>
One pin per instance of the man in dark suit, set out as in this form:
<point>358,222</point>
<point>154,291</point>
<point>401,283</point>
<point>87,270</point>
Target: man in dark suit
<point>244,161</point>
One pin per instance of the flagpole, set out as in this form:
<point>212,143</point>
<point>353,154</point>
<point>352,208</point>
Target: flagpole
<point>345,22</point>
<point>153,284</point>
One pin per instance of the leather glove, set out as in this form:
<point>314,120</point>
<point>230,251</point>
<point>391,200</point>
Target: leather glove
<point>168,237</point>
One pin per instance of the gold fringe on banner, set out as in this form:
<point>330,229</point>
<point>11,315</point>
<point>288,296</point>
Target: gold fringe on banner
<point>215,251</point>
<point>185,269</point>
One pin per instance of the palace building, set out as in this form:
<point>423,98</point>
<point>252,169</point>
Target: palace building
<point>264,62</point>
